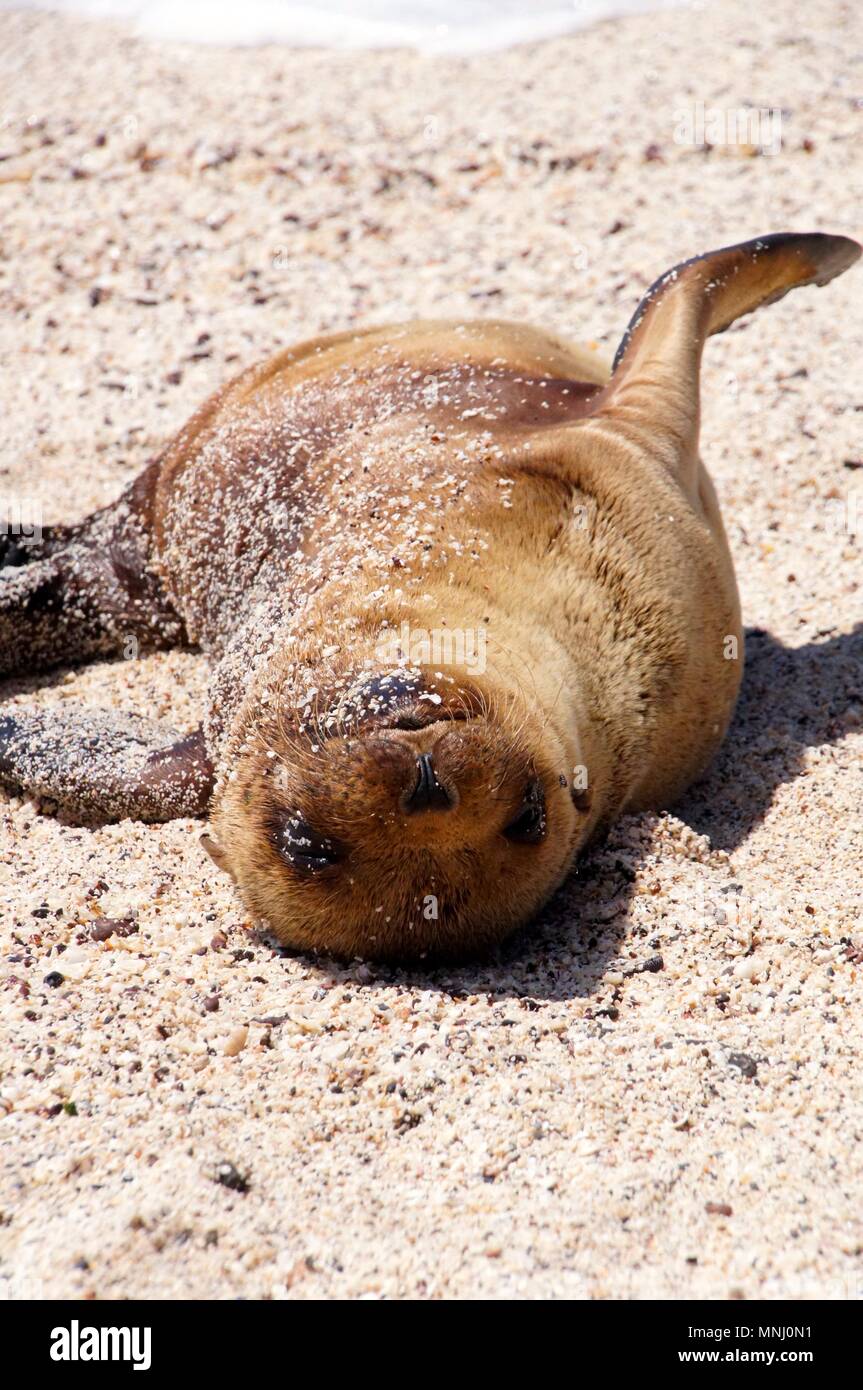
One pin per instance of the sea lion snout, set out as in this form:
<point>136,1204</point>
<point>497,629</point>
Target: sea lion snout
<point>428,763</point>
<point>432,786</point>
<point>428,793</point>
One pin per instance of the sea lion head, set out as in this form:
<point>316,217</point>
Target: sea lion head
<point>411,813</point>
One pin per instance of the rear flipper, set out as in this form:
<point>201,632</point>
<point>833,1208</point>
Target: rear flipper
<point>17,549</point>
<point>85,590</point>
<point>56,610</point>
<point>101,767</point>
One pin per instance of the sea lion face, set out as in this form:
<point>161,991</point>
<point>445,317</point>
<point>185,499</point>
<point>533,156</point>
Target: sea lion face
<point>416,816</point>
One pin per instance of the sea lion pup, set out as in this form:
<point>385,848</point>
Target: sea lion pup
<point>467,595</point>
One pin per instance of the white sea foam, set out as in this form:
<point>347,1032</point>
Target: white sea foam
<point>432,26</point>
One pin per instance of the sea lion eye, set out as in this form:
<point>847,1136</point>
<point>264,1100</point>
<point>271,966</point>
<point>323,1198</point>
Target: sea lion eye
<point>304,848</point>
<point>530,825</point>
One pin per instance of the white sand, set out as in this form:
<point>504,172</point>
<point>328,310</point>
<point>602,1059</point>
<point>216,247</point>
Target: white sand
<point>549,1123</point>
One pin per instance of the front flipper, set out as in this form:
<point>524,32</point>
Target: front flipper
<point>102,767</point>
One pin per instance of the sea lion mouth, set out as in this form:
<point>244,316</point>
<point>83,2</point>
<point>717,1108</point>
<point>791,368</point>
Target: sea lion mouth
<point>403,701</point>
<point>414,719</point>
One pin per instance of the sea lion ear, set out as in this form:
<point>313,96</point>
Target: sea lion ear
<point>653,392</point>
<point>215,851</point>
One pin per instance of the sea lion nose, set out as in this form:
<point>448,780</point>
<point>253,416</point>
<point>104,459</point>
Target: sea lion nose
<point>428,794</point>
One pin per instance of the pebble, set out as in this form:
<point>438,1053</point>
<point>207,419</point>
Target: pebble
<point>236,1041</point>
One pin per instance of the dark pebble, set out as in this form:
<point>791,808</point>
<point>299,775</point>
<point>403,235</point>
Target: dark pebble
<point>229,1176</point>
<point>747,1064</point>
<point>54,979</point>
<point>651,966</point>
<point>407,1121</point>
<point>110,926</point>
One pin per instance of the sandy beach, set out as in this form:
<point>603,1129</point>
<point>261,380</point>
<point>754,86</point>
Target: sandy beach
<point>654,1092</point>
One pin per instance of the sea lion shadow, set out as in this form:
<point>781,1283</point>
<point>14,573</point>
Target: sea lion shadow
<point>792,699</point>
